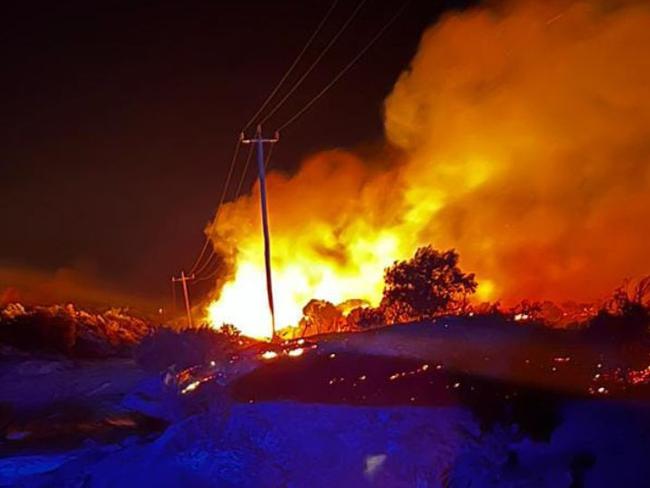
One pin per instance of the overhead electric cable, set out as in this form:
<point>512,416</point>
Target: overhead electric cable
<point>210,276</point>
<point>233,163</point>
<point>346,68</point>
<point>203,249</point>
<point>224,191</point>
<point>299,113</point>
<point>268,156</point>
<point>293,65</point>
<point>214,272</point>
<point>245,170</point>
<point>315,63</point>
<point>206,263</point>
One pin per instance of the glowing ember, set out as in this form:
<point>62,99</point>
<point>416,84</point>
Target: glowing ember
<point>639,377</point>
<point>191,387</point>
<point>269,355</point>
<point>296,352</point>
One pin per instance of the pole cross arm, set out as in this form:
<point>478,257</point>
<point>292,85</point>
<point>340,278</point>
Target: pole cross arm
<point>183,278</point>
<point>251,141</point>
<point>258,137</point>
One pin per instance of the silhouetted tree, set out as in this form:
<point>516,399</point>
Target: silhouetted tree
<point>626,316</point>
<point>425,286</point>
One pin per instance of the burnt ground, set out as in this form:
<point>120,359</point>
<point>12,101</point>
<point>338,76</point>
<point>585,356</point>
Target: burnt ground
<point>367,380</point>
<point>518,390</point>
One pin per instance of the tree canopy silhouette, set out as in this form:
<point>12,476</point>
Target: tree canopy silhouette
<point>427,285</point>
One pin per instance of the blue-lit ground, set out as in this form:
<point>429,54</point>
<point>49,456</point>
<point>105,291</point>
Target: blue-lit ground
<point>407,406</point>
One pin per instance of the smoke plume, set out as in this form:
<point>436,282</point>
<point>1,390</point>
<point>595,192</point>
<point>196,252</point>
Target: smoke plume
<point>524,134</point>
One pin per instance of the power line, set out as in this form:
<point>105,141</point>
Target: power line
<point>245,170</point>
<point>346,68</point>
<point>315,63</point>
<point>266,165</point>
<point>268,156</point>
<point>203,249</point>
<point>230,171</point>
<point>299,113</point>
<point>210,276</point>
<point>214,272</point>
<point>294,64</point>
<point>221,200</point>
<point>207,262</point>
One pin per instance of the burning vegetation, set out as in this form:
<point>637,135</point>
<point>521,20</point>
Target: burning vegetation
<point>427,286</point>
<point>521,134</point>
<point>518,140</point>
<point>71,331</point>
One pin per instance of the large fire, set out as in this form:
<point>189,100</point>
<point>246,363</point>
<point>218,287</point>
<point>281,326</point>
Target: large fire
<point>524,141</point>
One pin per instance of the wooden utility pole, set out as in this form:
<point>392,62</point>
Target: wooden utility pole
<point>261,172</point>
<point>184,279</point>
<point>173,297</point>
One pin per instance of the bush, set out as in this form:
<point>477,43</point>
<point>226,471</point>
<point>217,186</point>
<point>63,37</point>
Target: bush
<point>428,285</point>
<point>69,331</point>
<point>364,318</point>
<point>631,299</point>
<point>527,311</point>
<point>188,347</point>
<point>321,317</point>
<point>40,331</point>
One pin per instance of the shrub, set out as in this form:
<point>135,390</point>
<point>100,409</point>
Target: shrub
<point>40,331</point>
<point>188,347</point>
<point>626,316</point>
<point>526,311</point>
<point>363,318</point>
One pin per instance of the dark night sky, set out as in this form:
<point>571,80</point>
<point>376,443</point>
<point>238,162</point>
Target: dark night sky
<point>119,119</point>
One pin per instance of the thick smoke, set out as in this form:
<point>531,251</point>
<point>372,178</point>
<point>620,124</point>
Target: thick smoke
<point>525,134</point>
<point>76,285</point>
<point>533,122</point>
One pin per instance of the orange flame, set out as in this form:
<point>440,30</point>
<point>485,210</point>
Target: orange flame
<point>523,133</point>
